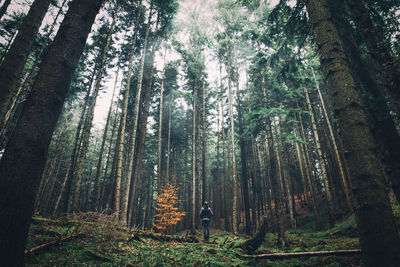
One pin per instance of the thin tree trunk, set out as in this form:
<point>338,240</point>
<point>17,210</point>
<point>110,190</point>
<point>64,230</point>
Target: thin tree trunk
<point>99,168</point>
<point>61,192</point>
<point>21,166</point>
<point>372,206</point>
<point>120,141</point>
<point>321,162</point>
<point>194,212</point>
<point>141,128</point>
<point>160,122</point>
<point>335,148</point>
<point>234,178</point>
<point>243,156</point>
<point>89,119</point>
<point>76,148</point>
<point>224,210</point>
<point>204,148</point>
<point>124,204</point>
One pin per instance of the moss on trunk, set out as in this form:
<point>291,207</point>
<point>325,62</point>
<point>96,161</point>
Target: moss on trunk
<point>378,236</point>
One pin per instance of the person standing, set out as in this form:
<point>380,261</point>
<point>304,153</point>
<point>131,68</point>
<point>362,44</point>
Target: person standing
<point>205,215</point>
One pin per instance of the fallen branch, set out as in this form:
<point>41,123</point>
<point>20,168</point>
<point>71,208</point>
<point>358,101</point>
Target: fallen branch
<point>52,243</point>
<point>300,254</point>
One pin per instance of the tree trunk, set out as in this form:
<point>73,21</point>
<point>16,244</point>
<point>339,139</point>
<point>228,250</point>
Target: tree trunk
<point>380,52</point>
<point>204,150</point>
<point>99,168</point>
<point>335,148</point>
<point>89,118</point>
<point>379,239</point>
<point>4,7</point>
<point>324,174</point>
<point>141,128</point>
<point>65,199</point>
<point>234,178</point>
<point>160,122</point>
<point>15,59</point>
<point>28,76</point>
<point>252,244</point>
<point>243,156</point>
<point>125,196</point>
<point>120,142</point>
<point>194,211</point>
<point>378,113</point>
<point>21,166</point>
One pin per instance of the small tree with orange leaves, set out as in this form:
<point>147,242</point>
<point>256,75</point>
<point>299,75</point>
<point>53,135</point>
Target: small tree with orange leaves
<point>168,214</point>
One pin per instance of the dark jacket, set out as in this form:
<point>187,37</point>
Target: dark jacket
<point>206,214</point>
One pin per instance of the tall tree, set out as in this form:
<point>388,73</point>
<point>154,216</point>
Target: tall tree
<point>121,133</point>
<point>90,114</point>
<point>14,61</point>
<point>372,207</point>
<point>22,164</point>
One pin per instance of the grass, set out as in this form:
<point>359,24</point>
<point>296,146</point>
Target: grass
<point>126,248</point>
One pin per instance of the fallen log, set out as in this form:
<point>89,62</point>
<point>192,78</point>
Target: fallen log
<point>301,254</point>
<point>52,243</point>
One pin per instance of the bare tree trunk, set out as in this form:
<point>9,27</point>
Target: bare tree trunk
<point>99,168</point>
<point>321,162</point>
<point>120,142</point>
<point>335,147</point>
<point>141,130</point>
<point>21,166</point>
<point>29,75</point>
<point>125,196</point>
<point>204,148</point>
<point>372,206</point>
<point>89,119</point>
<point>15,59</point>
<point>194,211</point>
<point>160,122</point>
<point>234,178</point>
<point>381,53</point>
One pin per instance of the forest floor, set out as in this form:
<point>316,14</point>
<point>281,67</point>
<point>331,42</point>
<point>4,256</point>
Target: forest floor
<point>105,245</point>
<point>92,239</point>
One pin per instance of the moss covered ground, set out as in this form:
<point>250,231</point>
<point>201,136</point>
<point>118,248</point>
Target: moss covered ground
<point>108,245</point>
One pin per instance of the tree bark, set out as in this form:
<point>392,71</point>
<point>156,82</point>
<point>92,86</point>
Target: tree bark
<point>120,141</point>
<point>21,166</point>
<point>243,156</point>
<point>194,211</point>
<point>324,174</point>
<point>15,59</point>
<point>89,118</point>
<point>204,148</point>
<point>379,239</point>
<point>141,129</point>
<point>335,148</point>
<point>380,51</point>
<point>99,168</point>
<point>125,196</point>
<point>234,175</point>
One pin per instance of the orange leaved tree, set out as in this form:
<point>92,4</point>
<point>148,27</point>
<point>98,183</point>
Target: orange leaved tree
<point>167,213</point>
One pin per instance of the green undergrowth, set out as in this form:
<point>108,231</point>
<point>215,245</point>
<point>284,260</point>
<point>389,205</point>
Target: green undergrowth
<point>107,245</point>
